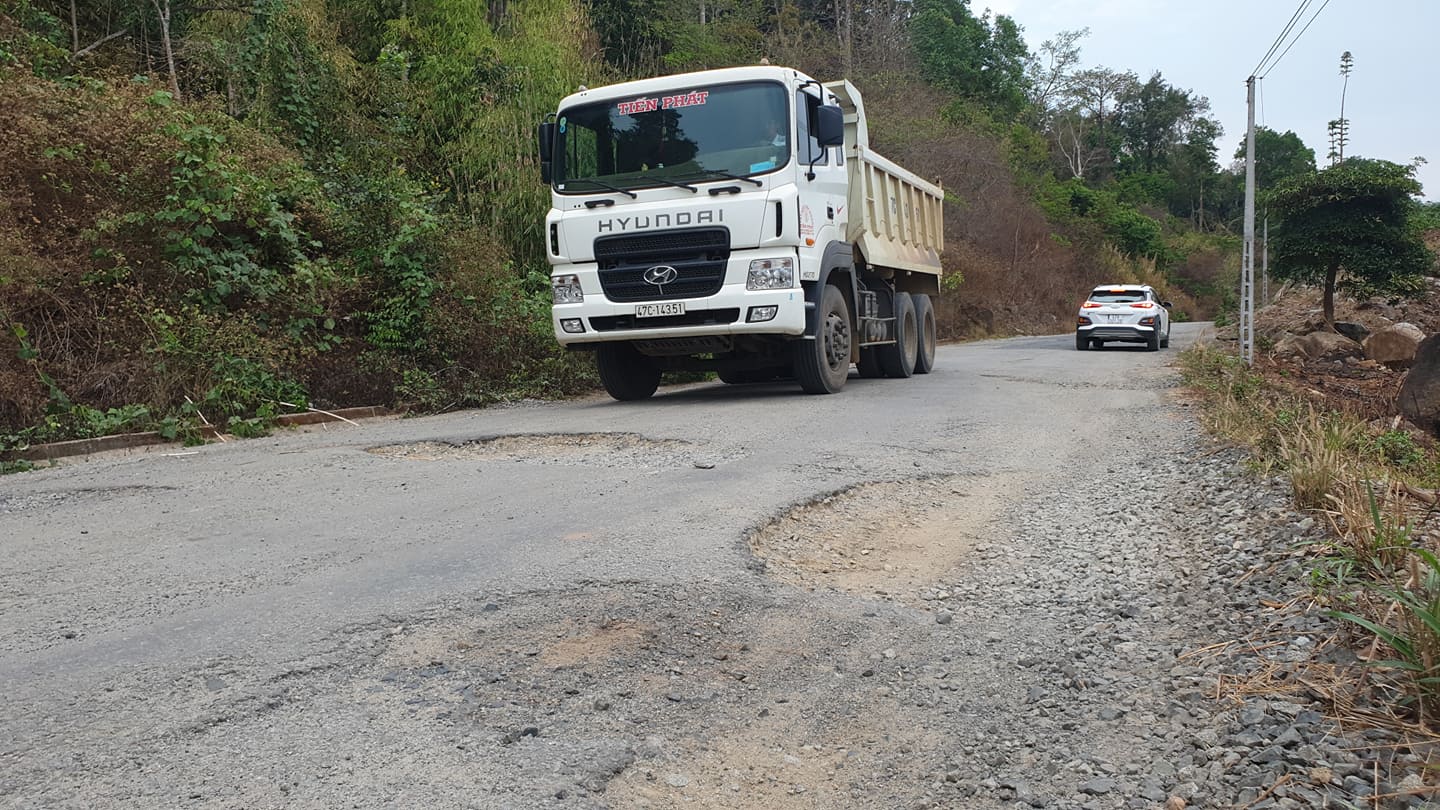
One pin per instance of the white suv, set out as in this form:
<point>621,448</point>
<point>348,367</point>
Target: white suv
<point>1127,313</point>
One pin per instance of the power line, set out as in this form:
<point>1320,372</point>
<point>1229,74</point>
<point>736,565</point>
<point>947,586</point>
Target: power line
<point>1290,26</point>
<point>1297,37</point>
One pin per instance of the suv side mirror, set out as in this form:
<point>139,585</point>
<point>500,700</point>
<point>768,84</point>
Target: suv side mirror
<point>829,126</point>
<point>1166,304</point>
<point>546,136</point>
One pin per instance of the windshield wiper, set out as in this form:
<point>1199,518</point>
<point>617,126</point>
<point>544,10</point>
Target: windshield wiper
<point>601,183</point>
<point>667,181</point>
<point>714,173</point>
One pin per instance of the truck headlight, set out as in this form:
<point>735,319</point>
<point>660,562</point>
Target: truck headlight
<point>566,290</point>
<point>771,274</point>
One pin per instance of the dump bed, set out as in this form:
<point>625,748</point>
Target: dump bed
<point>896,219</point>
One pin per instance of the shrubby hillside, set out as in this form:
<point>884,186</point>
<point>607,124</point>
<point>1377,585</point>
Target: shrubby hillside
<point>216,212</point>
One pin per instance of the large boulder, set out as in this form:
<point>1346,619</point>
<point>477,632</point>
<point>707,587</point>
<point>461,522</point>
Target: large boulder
<point>1355,331</point>
<point>1289,346</point>
<point>1420,395</point>
<point>1318,346</point>
<point>1394,346</point>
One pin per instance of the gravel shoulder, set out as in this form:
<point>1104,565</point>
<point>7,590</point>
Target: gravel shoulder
<point>976,618</point>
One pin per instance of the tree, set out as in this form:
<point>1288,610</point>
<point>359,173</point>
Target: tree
<point>1278,157</point>
<point>1155,118</point>
<point>1087,130</point>
<point>1349,223</point>
<point>1340,127</point>
<point>1195,171</point>
<point>1073,134</point>
<point>980,58</point>
<point>1049,71</point>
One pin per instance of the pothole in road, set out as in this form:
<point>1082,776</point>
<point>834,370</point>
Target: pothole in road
<point>53,498</point>
<point>887,538</point>
<point>665,696</point>
<point>582,449</point>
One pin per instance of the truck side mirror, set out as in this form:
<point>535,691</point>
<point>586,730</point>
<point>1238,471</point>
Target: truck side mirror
<point>829,126</point>
<point>546,135</point>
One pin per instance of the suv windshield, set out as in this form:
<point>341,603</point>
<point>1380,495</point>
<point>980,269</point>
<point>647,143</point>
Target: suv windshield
<point>728,130</point>
<point>1108,296</point>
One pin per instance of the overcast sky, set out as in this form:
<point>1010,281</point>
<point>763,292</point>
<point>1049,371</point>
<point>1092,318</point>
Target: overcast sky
<point>1209,47</point>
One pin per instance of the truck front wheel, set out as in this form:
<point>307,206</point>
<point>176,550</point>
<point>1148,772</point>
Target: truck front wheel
<point>898,358</point>
<point>626,373</point>
<point>823,364</point>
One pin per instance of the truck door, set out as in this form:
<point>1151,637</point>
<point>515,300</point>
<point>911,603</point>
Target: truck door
<point>822,199</point>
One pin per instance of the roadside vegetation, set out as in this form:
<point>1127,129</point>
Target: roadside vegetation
<point>1374,483</point>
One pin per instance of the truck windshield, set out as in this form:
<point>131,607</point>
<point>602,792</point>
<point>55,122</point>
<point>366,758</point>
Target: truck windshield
<point>645,141</point>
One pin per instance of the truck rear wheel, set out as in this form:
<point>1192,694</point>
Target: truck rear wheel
<point>626,373</point>
<point>823,364</point>
<point>925,346</point>
<point>898,358</point>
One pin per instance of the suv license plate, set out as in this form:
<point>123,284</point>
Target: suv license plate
<point>659,310</point>
<point>1113,318</point>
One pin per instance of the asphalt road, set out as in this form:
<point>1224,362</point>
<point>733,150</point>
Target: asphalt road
<point>206,626</point>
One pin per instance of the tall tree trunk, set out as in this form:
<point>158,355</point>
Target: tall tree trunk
<point>162,11</point>
<point>145,43</point>
<point>1329,303</point>
<point>75,30</point>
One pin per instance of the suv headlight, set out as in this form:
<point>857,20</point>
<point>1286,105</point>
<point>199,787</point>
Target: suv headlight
<point>566,290</point>
<point>771,274</point>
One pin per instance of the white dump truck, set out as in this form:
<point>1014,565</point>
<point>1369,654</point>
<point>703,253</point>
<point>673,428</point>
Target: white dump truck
<point>736,221</point>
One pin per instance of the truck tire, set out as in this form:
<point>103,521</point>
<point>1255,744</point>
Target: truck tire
<point>625,373</point>
<point>898,358</point>
<point>822,365</point>
<point>925,345</point>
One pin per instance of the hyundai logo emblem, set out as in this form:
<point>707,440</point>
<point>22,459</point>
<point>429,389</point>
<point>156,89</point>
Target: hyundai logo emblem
<point>661,274</point>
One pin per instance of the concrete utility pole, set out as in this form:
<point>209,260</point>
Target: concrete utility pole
<point>1265,263</point>
<point>1247,261</point>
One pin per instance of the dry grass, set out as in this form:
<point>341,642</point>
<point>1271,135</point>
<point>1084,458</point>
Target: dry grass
<point>1380,563</point>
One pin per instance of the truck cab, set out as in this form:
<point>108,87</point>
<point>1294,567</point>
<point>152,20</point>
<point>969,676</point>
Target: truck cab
<point>697,222</point>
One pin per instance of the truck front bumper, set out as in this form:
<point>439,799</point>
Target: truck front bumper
<point>733,310</point>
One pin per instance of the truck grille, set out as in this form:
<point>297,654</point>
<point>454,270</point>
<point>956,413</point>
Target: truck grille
<point>698,256</point>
